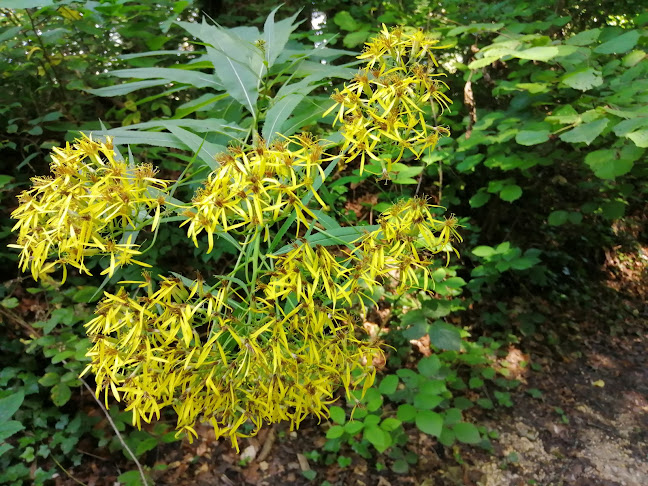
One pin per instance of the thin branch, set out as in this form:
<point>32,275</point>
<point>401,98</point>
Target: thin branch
<point>67,472</point>
<point>119,436</point>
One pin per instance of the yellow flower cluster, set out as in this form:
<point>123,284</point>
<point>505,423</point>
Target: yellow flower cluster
<point>88,207</point>
<point>409,234</point>
<point>382,109</point>
<point>256,187</point>
<point>198,352</point>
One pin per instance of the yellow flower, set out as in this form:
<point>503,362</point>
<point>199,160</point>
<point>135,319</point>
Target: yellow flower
<point>92,200</point>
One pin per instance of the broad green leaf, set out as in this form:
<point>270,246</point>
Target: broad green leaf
<point>584,38</point>
<point>613,209</point>
<point>479,199</point>
<point>622,129</point>
<point>61,394</point>
<point>49,379</point>
<point>355,38</point>
<point>10,32</point>
<point>445,336</point>
<point>474,28</point>
<point>620,44</point>
<point>429,422</point>
<point>543,53</point>
<point>565,115</point>
<point>484,61</point>
<point>338,415</point>
<point>606,163</point>
<point>9,405</point>
<point>9,428</point>
<point>557,218</point>
<point>335,432</point>
<point>377,437</point>
<point>17,4</point>
<point>429,366</point>
<point>390,424</point>
<point>388,385</point>
<point>427,401</point>
<point>201,103</point>
<point>345,21</point>
<point>586,132</point>
<point>238,62</point>
<point>406,412</point>
<point>532,137</point>
<point>466,433</point>
<point>484,251</point>
<point>276,35</point>
<point>633,58</point>
<point>640,138</point>
<point>353,427</point>
<point>583,79</point>
<point>511,193</point>
<point>194,78</point>
<point>125,88</point>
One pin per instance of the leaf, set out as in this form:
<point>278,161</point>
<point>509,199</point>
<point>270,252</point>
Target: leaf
<point>49,379</point>
<point>543,53</point>
<point>429,422</point>
<point>194,78</point>
<point>338,415</point>
<point>466,433</point>
<point>557,218</point>
<point>61,394</point>
<point>445,336</point>
<point>484,251</point>
<point>406,412</point>
<point>511,193</point>
<point>429,366</point>
<point>390,424</point>
<point>276,35</point>
<point>606,164</point>
<point>620,44</point>
<point>613,210</point>
<point>388,385</point>
<point>640,138</point>
<point>479,199</point>
<point>584,38</point>
<point>335,432</point>
<point>345,21</point>
<point>9,405</point>
<point>277,115</point>
<point>125,88</point>
<point>532,137</point>
<point>355,38</point>
<point>18,4</point>
<point>9,428</point>
<point>586,132</point>
<point>583,79</point>
<point>484,61</point>
<point>376,436</point>
<point>338,236</point>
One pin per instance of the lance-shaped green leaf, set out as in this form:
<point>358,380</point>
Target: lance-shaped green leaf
<point>343,235</point>
<point>194,78</point>
<point>276,35</point>
<point>125,88</point>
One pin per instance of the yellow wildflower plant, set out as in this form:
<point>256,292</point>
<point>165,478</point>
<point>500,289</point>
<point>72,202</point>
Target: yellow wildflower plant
<point>381,110</point>
<point>90,206</point>
<point>184,347</point>
<point>279,332</point>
